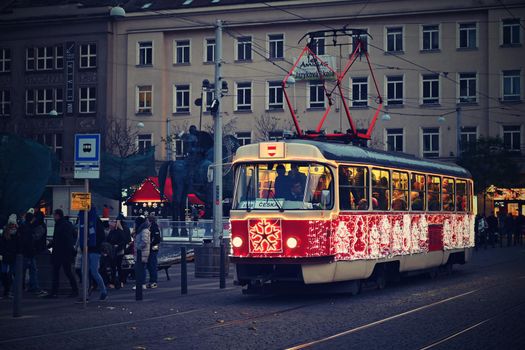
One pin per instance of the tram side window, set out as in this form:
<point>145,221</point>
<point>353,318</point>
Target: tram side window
<point>380,189</point>
<point>353,188</point>
<point>448,194</point>
<point>434,193</point>
<point>461,195</point>
<point>400,190</point>
<point>417,196</point>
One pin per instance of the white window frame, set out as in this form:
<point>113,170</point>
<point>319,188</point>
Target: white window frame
<point>430,100</point>
<point>422,148</point>
<point>88,56</point>
<point>359,102</point>
<point>205,51</point>
<point>395,135</point>
<point>4,60</point>
<point>423,31</point>
<point>244,106</point>
<point>46,58</point>
<point>177,44</point>
<point>32,59</point>
<point>316,51</point>
<point>59,58</point>
<point>30,104</point>
<point>458,36</point>
<point>512,132</point>
<point>141,100</point>
<point>518,97</point>
<point>276,42</point>
<point>145,141</point>
<point>402,38</point>
<point>87,100</point>
<point>47,101</point>
<point>57,101</point>
<point>388,103</point>
<point>308,97</point>
<point>237,43</point>
<point>5,103</point>
<point>139,49</point>
<point>182,108</point>
<point>468,133</point>
<point>274,85</point>
<point>244,137</point>
<point>468,97</point>
<point>510,25</point>
<point>364,38</point>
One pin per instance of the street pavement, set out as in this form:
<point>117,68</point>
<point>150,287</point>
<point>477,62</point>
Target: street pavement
<point>480,306</point>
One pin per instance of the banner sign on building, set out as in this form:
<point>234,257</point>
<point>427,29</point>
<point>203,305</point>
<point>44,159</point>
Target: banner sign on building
<point>306,69</point>
<point>70,76</point>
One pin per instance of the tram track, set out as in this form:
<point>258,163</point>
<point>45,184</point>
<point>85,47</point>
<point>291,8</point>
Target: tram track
<point>413,311</point>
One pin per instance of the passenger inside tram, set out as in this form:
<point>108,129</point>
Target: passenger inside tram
<point>282,182</point>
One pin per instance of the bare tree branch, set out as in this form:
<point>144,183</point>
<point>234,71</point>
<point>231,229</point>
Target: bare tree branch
<point>120,139</point>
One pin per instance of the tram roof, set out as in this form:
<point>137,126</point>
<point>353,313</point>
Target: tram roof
<point>349,153</point>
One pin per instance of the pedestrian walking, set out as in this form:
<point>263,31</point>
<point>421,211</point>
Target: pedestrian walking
<point>116,238</point>
<point>142,243</point>
<point>96,237</point>
<point>62,253</point>
<point>155,239</point>
<point>502,216</point>
<point>481,231</point>
<point>9,247</point>
<point>509,228</point>
<point>492,222</point>
<point>31,233</point>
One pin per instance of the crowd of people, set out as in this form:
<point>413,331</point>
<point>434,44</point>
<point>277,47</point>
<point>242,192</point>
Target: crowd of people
<point>108,242</point>
<point>493,229</point>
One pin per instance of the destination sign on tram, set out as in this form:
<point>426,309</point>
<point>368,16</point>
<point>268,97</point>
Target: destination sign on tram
<point>262,203</point>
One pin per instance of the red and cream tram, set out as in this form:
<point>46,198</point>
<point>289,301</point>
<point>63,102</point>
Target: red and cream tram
<point>320,212</point>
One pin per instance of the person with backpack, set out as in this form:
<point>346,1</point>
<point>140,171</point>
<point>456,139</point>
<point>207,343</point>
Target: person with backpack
<point>63,253</point>
<point>31,233</point>
<point>152,264</point>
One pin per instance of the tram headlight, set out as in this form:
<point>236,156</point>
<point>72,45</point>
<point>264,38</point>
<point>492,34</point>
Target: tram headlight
<point>291,242</point>
<point>237,242</point>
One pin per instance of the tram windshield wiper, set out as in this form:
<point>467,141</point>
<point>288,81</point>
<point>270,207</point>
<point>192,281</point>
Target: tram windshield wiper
<point>273,197</point>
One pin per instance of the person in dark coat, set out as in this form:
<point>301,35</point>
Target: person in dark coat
<point>63,253</point>
<point>492,221</point>
<point>117,239</point>
<point>31,233</point>
<point>9,247</point>
<point>96,237</point>
<point>152,263</point>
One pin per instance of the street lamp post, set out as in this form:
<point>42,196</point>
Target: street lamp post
<point>217,134</point>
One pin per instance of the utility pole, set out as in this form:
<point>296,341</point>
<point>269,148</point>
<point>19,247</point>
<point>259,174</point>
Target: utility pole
<point>458,132</point>
<point>169,141</point>
<point>217,145</point>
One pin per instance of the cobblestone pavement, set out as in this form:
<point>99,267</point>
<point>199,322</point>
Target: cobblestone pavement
<point>480,306</point>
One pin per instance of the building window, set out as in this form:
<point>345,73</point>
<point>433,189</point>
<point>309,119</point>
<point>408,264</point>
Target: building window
<point>468,35</point>
<point>467,88</point>
<point>30,102</point>
<point>88,56</point>
<point>144,99</point>
<point>5,103</point>
<point>244,48</point>
<point>394,39</point>
<point>209,95</point>
<point>44,101</point>
<point>44,59</point>
<point>359,91</point>
<point>394,140</point>
<point>179,147</point>
<point>430,88</point>
<point>88,100</point>
<point>276,135</point>
<point>276,46</point>
<point>317,45</point>
<point>59,57</point>
<point>511,85</point>
<point>145,57</point>
<point>5,60</point>
<point>394,90</point>
<point>511,31</point>
<point>244,96</point>
<point>182,99</point>
<point>469,134</point>
<point>244,138</point>
<point>59,100</point>
<point>364,42</point>
<point>210,51</point>
<point>182,52</point>
<point>30,59</point>
<point>316,95</point>
<point>275,95</point>
<point>430,37</point>
<point>512,137</point>
<point>144,142</point>
<point>430,142</point>
<point>53,141</point>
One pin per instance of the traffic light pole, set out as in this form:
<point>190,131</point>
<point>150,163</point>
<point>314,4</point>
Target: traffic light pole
<point>217,145</point>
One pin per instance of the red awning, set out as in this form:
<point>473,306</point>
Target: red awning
<point>149,192</point>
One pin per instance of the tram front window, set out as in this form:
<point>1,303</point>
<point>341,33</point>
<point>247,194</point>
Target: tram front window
<point>283,186</point>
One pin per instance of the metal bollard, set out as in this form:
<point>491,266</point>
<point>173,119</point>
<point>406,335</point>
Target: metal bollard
<point>19,268</point>
<point>183,272</point>
<point>222,271</point>
<point>139,276</point>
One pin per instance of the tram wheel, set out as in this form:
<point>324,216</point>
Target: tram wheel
<point>355,287</point>
<point>449,268</point>
<point>433,273</point>
<point>381,278</point>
